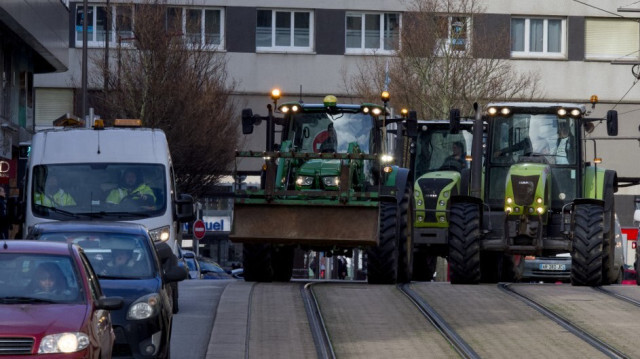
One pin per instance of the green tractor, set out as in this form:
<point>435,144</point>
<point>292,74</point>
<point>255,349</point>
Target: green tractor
<point>440,159</point>
<point>533,192</point>
<point>327,186</point>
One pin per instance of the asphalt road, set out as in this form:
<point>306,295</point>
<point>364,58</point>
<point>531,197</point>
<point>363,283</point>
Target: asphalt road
<point>193,324</point>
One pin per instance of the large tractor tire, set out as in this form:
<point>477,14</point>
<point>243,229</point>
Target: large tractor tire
<point>610,272</point>
<point>382,260</point>
<point>464,243</point>
<point>282,263</point>
<point>424,265</point>
<point>404,232</point>
<point>257,262</point>
<point>587,252</point>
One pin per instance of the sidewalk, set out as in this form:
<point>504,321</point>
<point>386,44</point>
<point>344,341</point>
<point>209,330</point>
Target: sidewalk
<point>229,333</point>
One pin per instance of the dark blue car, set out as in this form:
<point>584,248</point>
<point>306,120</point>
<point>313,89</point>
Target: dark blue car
<point>128,265</point>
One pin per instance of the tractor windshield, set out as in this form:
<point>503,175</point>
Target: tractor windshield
<point>541,135</point>
<point>321,132</point>
<point>439,150</point>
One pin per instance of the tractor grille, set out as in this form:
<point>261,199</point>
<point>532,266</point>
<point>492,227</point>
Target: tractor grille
<point>431,188</point>
<point>524,189</point>
<point>16,346</point>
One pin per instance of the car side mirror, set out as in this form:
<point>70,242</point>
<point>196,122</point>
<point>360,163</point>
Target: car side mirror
<point>175,274</point>
<point>109,303</point>
<point>184,208</point>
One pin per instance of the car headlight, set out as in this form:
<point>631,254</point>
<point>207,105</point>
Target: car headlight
<point>144,307</point>
<point>160,234</point>
<point>63,343</point>
<point>304,181</point>
<point>331,181</point>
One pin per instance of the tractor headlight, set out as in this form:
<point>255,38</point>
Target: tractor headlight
<point>331,181</point>
<point>386,158</point>
<point>445,194</point>
<point>419,203</point>
<point>304,181</point>
<point>442,203</point>
<point>539,200</point>
<point>540,210</point>
<point>509,200</point>
<point>63,343</point>
<point>508,209</point>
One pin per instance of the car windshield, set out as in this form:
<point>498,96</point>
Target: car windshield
<point>112,255</point>
<point>39,278</point>
<point>114,191</point>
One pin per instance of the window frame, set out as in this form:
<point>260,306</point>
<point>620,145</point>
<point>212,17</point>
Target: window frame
<point>290,48</point>
<point>202,10</point>
<point>112,33</point>
<point>527,53</point>
<point>363,50</point>
<point>603,56</point>
<point>448,40</point>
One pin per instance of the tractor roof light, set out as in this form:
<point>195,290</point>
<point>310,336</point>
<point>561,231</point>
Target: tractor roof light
<point>376,111</point>
<point>284,109</point>
<point>562,112</point>
<point>593,100</point>
<point>492,111</point>
<point>386,158</point>
<point>597,160</point>
<point>276,94</point>
<point>404,112</point>
<point>505,111</point>
<point>385,95</point>
<point>330,101</point>
<point>295,108</point>
<point>575,112</point>
<point>387,169</point>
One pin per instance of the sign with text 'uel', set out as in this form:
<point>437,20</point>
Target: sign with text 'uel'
<point>214,224</point>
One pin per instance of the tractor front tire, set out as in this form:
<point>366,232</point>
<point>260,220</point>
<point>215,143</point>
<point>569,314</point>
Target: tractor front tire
<point>257,262</point>
<point>587,252</point>
<point>382,260</point>
<point>282,263</point>
<point>464,243</point>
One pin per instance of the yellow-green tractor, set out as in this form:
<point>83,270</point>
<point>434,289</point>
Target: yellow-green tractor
<point>328,185</point>
<point>533,192</point>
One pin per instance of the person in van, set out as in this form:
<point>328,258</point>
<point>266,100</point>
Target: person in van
<point>53,195</point>
<point>132,188</point>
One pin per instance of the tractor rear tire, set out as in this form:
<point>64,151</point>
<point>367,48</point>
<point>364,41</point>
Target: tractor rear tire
<point>610,272</point>
<point>282,263</point>
<point>464,243</point>
<point>404,235</point>
<point>424,265</point>
<point>257,262</point>
<point>382,260</point>
<point>587,253</point>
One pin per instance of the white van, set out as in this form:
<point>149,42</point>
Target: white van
<point>90,164</point>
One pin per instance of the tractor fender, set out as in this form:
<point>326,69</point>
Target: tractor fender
<point>402,178</point>
<point>588,201</point>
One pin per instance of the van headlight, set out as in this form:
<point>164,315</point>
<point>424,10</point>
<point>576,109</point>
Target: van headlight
<point>161,234</point>
<point>144,307</point>
<point>63,343</point>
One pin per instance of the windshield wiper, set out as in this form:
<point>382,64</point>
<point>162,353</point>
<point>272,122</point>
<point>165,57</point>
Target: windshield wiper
<point>25,300</point>
<point>103,214</point>
<point>61,211</point>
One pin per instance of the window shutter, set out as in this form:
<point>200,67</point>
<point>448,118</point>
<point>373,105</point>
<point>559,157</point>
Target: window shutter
<point>51,104</point>
<point>612,39</point>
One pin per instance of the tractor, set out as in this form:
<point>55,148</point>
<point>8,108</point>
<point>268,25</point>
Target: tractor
<point>531,191</point>
<point>329,185</point>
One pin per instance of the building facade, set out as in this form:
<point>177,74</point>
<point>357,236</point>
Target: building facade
<point>33,40</point>
<point>308,48</point>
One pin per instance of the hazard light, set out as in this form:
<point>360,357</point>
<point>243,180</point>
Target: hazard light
<point>127,122</point>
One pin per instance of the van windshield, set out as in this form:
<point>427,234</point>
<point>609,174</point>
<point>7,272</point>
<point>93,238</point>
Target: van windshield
<point>117,191</point>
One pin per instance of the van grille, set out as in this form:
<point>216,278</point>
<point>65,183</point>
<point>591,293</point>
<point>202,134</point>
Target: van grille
<point>16,346</point>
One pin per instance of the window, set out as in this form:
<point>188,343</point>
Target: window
<point>612,39</point>
<point>453,32</point>
<point>538,37</point>
<point>283,30</point>
<point>103,23</point>
<point>372,32</point>
<point>201,27</point>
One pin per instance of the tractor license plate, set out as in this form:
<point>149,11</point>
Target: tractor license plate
<point>546,266</point>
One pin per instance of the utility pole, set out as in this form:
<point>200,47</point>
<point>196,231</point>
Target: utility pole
<point>85,12</point>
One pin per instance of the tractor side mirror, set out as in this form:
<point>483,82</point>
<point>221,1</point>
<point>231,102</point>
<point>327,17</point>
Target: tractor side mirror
<point>612,123</point>
<point>454,120</point>
<point>412,125</point>
<point>184,208</point>
<point>248,121</point>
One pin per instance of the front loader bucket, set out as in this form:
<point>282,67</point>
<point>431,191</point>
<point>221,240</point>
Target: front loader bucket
<point>305,224</point>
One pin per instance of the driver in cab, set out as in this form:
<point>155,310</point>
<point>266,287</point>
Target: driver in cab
<point>132,188</point>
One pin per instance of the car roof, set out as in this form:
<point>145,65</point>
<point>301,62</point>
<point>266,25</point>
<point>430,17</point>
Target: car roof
<point>27,246</point>
<point>90,226</point>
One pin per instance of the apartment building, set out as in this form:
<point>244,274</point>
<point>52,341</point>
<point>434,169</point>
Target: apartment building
<point>304,47</point>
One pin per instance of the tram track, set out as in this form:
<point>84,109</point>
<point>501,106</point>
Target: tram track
<point>617,296</point>
<point>571,327</point>
<point>316,323</point>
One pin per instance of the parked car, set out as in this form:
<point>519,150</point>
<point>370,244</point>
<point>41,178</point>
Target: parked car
<point>558,268</point>
<point>212,270</point>
<point>630,275</point>
<point>128,264</point>
<point>193,264</point>
<point>237,273</point>
<point>51,302</point>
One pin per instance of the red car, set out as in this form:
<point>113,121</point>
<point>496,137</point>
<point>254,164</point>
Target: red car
<point>51,303</point>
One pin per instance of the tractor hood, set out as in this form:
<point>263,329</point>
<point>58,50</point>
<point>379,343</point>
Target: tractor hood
<point>320,167</point>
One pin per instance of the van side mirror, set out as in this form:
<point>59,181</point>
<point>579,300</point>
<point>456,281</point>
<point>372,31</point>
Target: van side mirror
<point>184,208</point>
